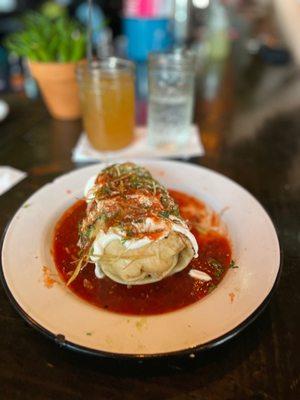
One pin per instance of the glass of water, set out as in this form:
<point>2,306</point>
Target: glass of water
<point>171,98</point>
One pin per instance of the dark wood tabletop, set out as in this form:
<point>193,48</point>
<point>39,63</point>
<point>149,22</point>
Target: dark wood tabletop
<point>249,116</point>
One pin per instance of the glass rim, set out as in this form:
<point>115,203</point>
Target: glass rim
<point>172,59</point>
<point>110,65</point>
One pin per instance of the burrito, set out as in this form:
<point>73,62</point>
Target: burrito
<point>132,230</point>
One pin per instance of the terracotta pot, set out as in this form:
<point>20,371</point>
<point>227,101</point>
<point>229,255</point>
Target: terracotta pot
<point>58,85</point>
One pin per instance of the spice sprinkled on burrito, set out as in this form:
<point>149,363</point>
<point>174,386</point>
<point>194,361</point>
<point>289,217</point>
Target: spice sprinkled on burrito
<point>132,231</point>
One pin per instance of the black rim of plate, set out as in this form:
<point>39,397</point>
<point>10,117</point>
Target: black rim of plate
<point>62,342</point>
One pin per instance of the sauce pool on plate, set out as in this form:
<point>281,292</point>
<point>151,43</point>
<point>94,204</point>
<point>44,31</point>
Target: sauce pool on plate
<point>169,294</point>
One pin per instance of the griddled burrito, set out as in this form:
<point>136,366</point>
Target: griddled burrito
<point>132,231</point>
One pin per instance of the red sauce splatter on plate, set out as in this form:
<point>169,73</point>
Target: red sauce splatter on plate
<point>47,278</point>
<point>172,293</point>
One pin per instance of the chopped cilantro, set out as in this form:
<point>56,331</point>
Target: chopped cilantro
<point>233,264</point>
<point>214,263</point>
<point>164,214</point>
<point>218,272</point>
<point>218,268</point>
<point>129,233</point>
<point>211,288</point>
<point>164,201</point>
<point>175,211</point>
<point>105,189</point>
<point>88,233</point>
<point>103,218</point>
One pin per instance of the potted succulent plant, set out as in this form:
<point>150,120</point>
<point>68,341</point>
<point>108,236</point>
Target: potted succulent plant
<point>52,47</point>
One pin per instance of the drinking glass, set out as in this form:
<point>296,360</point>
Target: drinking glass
<point>106,91</point>
<point>171,98</point>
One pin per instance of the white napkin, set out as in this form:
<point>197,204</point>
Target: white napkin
<point>83,150</point>
<point>9,177</point>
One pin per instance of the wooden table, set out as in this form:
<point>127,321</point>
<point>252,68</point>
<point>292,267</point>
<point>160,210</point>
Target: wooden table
<point>250,124</point>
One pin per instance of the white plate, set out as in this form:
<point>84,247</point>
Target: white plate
<point>60,314</point>
<point>4,110</point>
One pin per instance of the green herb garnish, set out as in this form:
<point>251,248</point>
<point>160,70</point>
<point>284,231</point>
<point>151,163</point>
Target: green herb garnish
<point>211,288</point>
<point>214,263</point>
<point>164,214</point>
<point>103,218</point>
<point>90,231</point>
<point>233,264</point>
<point>218,268</point>
<point>129,233</point>
<point>105,190</point>
<point>164,201</point>
<point>175,210</point>
<point>46,39</point>
<point>218,272</point>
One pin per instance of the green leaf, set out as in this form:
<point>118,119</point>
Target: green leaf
<point>78,49</point>
<point>164,214</point>
<point>63,51</point>
<point>233,264</point>
<point>211,288</point>
<point>46,39</point>
<point>214,263</point>
<point>218,267</point>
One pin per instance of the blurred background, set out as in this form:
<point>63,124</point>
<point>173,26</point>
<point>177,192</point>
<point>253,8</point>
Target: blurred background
<point>241,46</point>
<point>133,28</point>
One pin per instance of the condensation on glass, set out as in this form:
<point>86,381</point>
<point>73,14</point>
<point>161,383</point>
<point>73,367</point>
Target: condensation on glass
<point>171,98</point>
<point>107,99</point>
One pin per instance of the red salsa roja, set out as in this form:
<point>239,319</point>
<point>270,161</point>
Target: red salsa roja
<point>169,294</point>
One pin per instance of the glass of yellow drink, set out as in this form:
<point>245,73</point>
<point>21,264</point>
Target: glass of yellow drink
<point>107,100</point>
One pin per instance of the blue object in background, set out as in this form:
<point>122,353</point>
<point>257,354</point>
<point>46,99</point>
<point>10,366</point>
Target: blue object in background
<point>147,35</point>
<point>274,55</point>
<point>4,70</point>
<point>98,19</point>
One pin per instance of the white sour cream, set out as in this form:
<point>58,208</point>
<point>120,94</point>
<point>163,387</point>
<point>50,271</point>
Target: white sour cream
<point>202,276</point>
<point>88,192</point>
<point>98,271</point>
<point>186,232</point>
<point>103,239</point>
